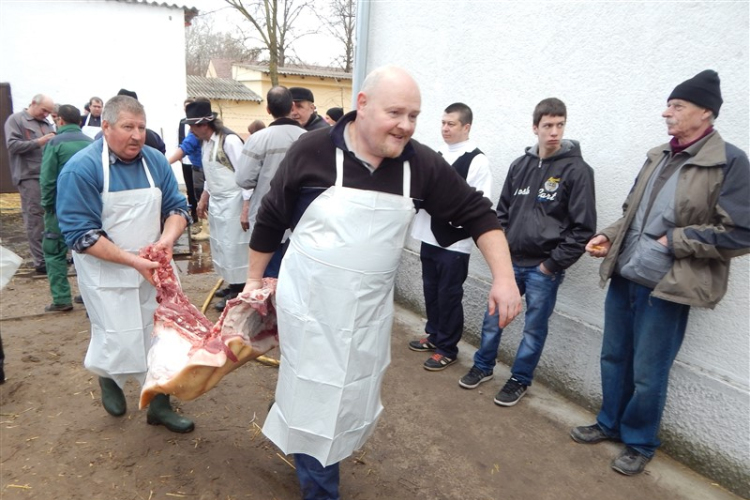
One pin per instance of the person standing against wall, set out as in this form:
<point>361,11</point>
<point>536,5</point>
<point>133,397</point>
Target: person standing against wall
<point>446,249</point>
<point>548,211</point>
<point>686,216</point>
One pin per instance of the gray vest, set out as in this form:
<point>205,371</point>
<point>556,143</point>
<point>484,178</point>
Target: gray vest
<point>643,259</point>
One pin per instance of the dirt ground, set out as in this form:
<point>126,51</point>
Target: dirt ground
<point>435,440</point>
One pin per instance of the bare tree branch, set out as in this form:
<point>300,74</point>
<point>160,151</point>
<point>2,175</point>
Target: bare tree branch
<point>203,43</point>
<point>339,21</point>
<point>273,21</point>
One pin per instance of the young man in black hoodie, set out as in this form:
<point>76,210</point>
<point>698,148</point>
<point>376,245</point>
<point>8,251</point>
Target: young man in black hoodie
<point>548,212</point>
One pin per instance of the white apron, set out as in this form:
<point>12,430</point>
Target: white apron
<point>229,243</point>
<point>90,130</point>
<point>119,301</point>
<point>335,313</point>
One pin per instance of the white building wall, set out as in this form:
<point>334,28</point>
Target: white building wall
<point>614,64</point>
<point>75,50</point>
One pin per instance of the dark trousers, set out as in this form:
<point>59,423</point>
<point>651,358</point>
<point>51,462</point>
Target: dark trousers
<point>443,275</point>
<point>315,481</point>
<point>33,217</point>
<point>187,174</point>
<point>199,179</point>
<point>274,266</point>
<point>642,336</point>
<point>2,362</point>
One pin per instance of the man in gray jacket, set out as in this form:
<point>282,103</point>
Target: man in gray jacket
<point>26,133</point>
<point>262,155</point>
<point>684,219</point>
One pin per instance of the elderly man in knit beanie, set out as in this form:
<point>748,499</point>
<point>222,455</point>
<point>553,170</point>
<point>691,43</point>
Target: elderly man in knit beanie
<point>684,218</point>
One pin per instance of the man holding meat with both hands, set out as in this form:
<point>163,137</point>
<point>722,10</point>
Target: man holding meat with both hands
<point>113,198</point>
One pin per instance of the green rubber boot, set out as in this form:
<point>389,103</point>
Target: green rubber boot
<point>113,398</point>
<point>160,412</point>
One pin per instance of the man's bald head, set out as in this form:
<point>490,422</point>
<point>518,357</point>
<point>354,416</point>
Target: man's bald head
<point>41,106</point>
<point>388,75</point>
<point>387,110</point>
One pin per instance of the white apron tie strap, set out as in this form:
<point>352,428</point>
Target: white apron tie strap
<point>405,188</point>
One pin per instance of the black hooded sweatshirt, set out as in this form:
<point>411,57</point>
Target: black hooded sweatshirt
<point>548,207</point>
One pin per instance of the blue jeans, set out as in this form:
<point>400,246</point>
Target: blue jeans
<point>443,275</point>
<point>315,481</point>
<point>642,336</point>
<point>541,294</point>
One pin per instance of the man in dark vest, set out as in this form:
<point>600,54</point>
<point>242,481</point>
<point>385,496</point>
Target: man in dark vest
<point>222,150</point>
<point>548,212</point>
<point>446,249</point>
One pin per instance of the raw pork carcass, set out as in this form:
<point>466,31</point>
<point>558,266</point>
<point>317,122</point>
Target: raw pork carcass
<point>188,354</point>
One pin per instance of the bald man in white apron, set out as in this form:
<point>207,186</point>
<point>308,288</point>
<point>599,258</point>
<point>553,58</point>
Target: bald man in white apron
<point>349,194</point>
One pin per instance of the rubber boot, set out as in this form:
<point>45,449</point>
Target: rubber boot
<point>113,398</point>
<point>160,412</point>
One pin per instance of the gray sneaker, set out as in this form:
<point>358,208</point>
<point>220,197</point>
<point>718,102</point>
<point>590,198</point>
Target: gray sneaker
<point>511,393</point>
<point>630,462</point>
<point>589,434</point>
<point>474,378</point>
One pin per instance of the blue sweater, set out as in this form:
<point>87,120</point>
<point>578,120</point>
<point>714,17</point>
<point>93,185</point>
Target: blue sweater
<point>191,146</point>
<point>79,201</point>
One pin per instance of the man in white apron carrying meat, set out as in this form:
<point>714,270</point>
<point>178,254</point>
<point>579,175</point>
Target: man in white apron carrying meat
<point>221,199</point>
<point>349,194</point>
<point>114,198</point>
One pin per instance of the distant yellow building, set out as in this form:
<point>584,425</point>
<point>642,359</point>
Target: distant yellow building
<point>237,91</point>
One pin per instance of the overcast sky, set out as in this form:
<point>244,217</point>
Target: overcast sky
<point>318,48</point>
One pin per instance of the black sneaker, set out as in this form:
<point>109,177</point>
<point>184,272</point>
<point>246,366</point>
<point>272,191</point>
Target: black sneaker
<point>438,362</point>
<point>630,462</point>
<point>78,299</point>
<point>474,378</point>
<point>511,393</point>
<point>589,434</point>
<point>58,308</point>
<point>421,345</point>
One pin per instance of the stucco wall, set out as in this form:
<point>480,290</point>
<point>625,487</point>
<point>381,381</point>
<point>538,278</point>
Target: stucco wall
<point>614,64</point>
<point>75,50</point>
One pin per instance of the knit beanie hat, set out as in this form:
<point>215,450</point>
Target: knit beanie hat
<point>335,114</point>
<point>704,90</point>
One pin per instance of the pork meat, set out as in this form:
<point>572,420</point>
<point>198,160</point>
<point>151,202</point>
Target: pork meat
<point>188,354</point>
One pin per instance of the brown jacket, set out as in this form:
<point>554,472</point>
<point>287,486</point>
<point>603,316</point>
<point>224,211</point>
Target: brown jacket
<point>712,220</point>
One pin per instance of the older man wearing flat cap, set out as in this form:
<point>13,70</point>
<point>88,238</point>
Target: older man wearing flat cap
<point>684,219</point>
<point>303,109</point>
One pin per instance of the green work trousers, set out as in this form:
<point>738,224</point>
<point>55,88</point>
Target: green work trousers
<point>56,259</point>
